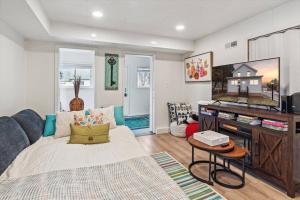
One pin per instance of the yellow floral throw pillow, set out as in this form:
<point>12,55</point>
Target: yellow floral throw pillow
<point>88,120</point>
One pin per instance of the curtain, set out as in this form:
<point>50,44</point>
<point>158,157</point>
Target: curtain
<point>285,45</point>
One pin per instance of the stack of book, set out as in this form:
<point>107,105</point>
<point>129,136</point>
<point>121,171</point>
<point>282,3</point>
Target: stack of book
<point>208,112</point>
<point>224,115</point>
<point>275,125</point>
<point>246,119</point>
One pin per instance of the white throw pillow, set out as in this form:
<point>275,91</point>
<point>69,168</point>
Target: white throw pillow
<point>63,121</point>
<point>108,115</point>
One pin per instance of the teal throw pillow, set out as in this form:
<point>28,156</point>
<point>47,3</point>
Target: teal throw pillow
<point>119,116</point>
<point>50,125</point>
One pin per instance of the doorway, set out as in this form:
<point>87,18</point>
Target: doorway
<point>138,93</point>
<point>79,63</point>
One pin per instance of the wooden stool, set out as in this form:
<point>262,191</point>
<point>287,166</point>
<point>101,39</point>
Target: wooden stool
<point>238,153</point>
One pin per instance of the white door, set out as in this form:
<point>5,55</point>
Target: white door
<point>138,86</point>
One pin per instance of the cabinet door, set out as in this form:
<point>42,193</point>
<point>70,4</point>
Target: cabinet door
<point>208,123</point>
<point>270,153</point>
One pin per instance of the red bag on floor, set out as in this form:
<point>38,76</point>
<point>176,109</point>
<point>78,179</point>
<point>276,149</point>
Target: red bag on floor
<point>191,129</point>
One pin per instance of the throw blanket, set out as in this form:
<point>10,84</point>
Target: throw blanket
<point>138,178</point>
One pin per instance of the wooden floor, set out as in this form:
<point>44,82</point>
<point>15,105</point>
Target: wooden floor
<point>255,189</point>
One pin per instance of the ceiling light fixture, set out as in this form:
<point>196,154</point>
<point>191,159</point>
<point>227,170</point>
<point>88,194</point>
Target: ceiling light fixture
<point>97,13</point>
<point>93,35</point>
<point>180,27</point>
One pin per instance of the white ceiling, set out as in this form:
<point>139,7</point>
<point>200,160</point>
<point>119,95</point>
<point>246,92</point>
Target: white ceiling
<point>128,24</point>
<point>157,17</point>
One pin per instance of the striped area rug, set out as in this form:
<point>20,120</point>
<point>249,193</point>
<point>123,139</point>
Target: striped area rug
<point>194,189</point>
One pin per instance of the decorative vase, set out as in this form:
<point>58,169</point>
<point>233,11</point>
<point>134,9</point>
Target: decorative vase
<point>76,104</point>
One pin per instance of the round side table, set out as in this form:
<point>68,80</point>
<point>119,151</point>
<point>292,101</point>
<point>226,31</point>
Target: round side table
<point>238,153</point>
<point>211,150</point>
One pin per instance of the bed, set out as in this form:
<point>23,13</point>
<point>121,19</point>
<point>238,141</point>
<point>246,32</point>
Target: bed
<point>50,168</point>
<point>50,154</point>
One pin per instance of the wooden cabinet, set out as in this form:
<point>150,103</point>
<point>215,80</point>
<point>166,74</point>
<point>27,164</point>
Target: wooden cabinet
<point>208,123</point>
<point>274,154</point>
<point>270,153</point>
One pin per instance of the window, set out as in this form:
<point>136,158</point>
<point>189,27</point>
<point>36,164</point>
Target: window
<point>67,74</point>
<point>239,74</point>
<point>248,74</point>
<point>253,82</point>
<point>234,82</point>
<point>75,62</point>
<point>143,77</point>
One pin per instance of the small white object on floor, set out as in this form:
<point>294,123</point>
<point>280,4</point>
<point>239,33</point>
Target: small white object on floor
<point>211,138</point>
<point>177,130</point>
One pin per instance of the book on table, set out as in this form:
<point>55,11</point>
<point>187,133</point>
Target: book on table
<point>275,125</point>
<point>211,138</point>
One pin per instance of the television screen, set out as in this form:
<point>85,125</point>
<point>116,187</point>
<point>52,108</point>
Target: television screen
<point>253,83</point>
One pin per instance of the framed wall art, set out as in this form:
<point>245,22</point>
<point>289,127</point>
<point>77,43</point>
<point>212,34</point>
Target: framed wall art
<point>111,71</point>
<point>198,68</point>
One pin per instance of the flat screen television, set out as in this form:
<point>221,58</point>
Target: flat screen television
<point>252,83</point>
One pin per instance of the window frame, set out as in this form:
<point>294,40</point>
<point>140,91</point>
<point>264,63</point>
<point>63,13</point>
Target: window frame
<point>83,66</point>
<point>254,82</point>
<point>142,69</point>
<point>57,63</point>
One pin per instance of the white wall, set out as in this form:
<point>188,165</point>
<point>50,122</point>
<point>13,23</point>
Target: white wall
<point>40,59</point>
<point>168,79</point>
<point>137,101</point>
<point>12,71</point>
<point>287,15</point>
<point>169,86</point>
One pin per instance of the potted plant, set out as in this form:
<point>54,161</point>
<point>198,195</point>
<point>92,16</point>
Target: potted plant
<point>77,103</point>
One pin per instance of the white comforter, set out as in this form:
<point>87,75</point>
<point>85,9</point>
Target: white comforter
<point>49,154</point>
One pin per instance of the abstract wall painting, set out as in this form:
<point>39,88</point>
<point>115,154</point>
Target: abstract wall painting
<point>198,68</point>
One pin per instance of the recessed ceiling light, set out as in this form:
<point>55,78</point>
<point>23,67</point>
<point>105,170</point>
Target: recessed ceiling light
<point>180,27</point>
<point>93,35</point>
<point>153,42</point>
<point>97,13</point>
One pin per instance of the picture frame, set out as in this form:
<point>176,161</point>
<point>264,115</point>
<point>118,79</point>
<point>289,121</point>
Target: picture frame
<point>111,71</point>
<point>197,68</point>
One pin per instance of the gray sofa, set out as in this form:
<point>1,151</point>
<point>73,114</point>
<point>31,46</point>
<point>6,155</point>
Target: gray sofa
<point>17,133</point>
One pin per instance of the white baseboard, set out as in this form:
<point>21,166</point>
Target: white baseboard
<point>162,130</point>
